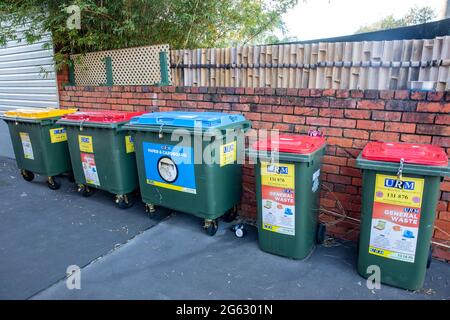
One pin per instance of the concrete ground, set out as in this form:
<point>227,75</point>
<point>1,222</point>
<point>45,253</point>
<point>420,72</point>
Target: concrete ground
<point>123,254</point>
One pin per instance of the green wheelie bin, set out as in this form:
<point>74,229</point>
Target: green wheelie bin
<point>189,162</point>
<point>287,174</point>
<point>401,187</point>
<point>102,153</point>
<point>40,145</point>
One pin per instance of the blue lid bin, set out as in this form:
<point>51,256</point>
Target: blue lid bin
<point>191,162</point>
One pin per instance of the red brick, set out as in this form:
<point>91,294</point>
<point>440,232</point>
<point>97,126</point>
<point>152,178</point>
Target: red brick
<point>443,119</point>
<point>418,95</point>
<point>370,125</point>
<point>384,136</point>
<point>400,127</point>
<point>335,132</point>
<point>435,95</point>
<point>306,111</point>
<point>292,101</point>
<point>352,172</point>
<point>248,99</point>
<point>294,119</point>
<point>271,117</point>
<point>206,105</point>
<point>444,215</point>
<point>356,93</point>
<point>179,96</point>
<point>253,116</point>
<point>343,123</point>
<point>386,115</point>
<point>442,229</point>
<point>302,129</point>
<point>342,93</point>
<point>343,103</point>
<point>418,117</point>
<point>303,92</point>
<point>260,108</point>
<point>240,107</point>
<point>333,113</point>
<point>283,109</point>
<point>370,104</point>
<point>433,107</point>
<point>387,94</point>
<point>318,121</point>
<point>433,129</point>
<point>401,105</point>
<point>329,93</point>
<point>321,102</point>
<point>328,168</point>
<point>269,100</point>
<point>357,114</point>
<point>445,186</point>
<point>339,179</point>
<point>359,143</point>
<point>292,92</point>
<point>413,138</point>
<point>401,94</point>
<point>442,141</point>
<point>283,127</point>
<point>359,134</point>
<point>342,142</point>
<point>261,125</point>
<point>316,92</point>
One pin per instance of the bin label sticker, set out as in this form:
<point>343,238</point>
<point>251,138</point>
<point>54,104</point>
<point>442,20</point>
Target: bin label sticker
<point>26,145</point>
<point>85,143</point>
<point>278,197</point>
<point>58,135</point>
<point>315,181</point>
<point>129,144</point>
<point>90,169</point>
<point>227,153</point>
<point>396,217</point>
<point>170,167</point>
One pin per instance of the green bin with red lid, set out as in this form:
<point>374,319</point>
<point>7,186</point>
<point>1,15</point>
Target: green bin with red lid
<point>102,153</point>
<point>401,188</point>
<point>287,170</point>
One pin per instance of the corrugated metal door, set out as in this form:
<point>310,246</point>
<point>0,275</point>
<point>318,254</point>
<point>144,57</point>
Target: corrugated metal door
<point>27,79</point>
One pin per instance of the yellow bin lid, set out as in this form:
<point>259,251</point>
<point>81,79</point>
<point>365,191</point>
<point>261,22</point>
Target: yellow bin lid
<point>38,113</point>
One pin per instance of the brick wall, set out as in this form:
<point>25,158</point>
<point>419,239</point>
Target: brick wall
<point>349,120</point>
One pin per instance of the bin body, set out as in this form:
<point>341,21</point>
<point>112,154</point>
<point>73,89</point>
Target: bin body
<point>288,194</point>
<point>40,145</point>
<point>177,177</point>
<point>101,152</point>
<point>398,211</point>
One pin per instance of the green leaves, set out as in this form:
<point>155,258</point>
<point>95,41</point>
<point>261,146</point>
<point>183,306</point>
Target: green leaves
<point>113,24</point>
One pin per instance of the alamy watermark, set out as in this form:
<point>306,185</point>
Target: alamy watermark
<point>73,280</point>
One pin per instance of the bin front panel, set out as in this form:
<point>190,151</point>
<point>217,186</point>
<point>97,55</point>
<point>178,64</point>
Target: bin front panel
<point>397,225</point>
<point>103,158</point>
<point>40,147</point>
<point>288,204</point>
<point>169,177</point>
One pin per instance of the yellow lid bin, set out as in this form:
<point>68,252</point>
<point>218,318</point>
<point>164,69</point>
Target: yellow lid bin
<point>38,113</point>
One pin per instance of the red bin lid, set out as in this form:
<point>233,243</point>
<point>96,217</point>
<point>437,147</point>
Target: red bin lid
<point>291,144</point>
<point>423,154</point>
<point>102,116</point>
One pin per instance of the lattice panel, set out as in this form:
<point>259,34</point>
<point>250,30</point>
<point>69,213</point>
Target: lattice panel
<point>131,66</point>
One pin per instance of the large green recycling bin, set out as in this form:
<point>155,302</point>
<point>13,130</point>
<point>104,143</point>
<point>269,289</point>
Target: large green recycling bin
<point>102,153</point>
<point>39,143</point>
<point>401,187</point>
<point>188,162</point>
<point>287,194</point>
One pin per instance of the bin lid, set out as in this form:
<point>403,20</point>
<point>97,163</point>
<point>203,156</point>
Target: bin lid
<point>36,113</point>
<point>187,119</point>
<point>423,154</point>
<point>101,116</point>
<point>291,144</point>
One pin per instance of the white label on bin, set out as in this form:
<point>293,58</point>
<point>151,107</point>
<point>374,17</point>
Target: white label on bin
<point>396,217</point>
<point>278,197</point>
<point>90,169</point>
<point>26,145</point>
<point>315,181</point>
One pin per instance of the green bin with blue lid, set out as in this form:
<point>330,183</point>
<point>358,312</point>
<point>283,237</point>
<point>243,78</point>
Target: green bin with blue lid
<point>401,188</point>
<point>191,162</point>
<point>287,175</point>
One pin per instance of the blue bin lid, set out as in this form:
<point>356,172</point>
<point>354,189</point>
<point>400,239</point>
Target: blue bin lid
<point>187,119</point>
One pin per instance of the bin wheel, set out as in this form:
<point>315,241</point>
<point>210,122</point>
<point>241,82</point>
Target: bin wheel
<point>85,190</point>
<point>53,184</point>
<point>27,175</point>
<point>430,257</point>
<point>71,177</point>
<point>230,215</point>
<point>124,202</point>
<point>239,230</point>
<point>321,231</point>
<point>211,227</point>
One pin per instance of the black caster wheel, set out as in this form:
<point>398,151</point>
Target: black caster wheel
<point>430,257</point>
<point>239,230</point>
<point>321,231</point>
<point>85,190</point>
<point>53,184</point>
<point>27,175</point>
<point>212,227</point>
<point>125,201</point>
<point>230,215</point>
<point>71,177</point>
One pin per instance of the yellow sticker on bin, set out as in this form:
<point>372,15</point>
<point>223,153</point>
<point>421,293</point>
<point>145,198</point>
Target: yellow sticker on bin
<point>37,113</point>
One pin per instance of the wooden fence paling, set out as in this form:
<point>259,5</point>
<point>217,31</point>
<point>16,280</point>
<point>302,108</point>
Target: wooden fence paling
<point>346,65</point>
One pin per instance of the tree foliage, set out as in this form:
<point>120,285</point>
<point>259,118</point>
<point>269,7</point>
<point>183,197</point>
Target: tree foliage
<point>415,15</point>
<point>113,24</point>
